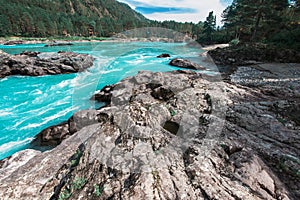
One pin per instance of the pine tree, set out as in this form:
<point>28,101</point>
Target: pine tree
<point>209,26</point>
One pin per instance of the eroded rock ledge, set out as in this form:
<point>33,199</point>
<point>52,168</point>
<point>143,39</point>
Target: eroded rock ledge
<point>38,64</point>
<point>175,135</point>
<point>249,54</point>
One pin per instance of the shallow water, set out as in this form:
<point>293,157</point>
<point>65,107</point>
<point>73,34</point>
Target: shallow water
<point>30,104</point>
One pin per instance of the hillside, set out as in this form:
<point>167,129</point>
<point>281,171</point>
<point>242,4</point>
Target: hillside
<point>42,18</point>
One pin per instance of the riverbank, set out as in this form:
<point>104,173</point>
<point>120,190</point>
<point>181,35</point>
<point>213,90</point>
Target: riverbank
<point>30,40</point>
<point>135,146</point>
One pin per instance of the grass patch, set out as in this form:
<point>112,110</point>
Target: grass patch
<point>66,194</point>
<point>78,183</point>
<point>98,190</point>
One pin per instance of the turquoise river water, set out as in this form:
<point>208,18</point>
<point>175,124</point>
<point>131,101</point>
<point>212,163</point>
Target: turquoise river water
<point>31,104</point>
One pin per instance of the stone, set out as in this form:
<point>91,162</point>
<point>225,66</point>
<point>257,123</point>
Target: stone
<point>38,64</point>
<point>164,55</point>
<point>104,95</point>
<point>58,44</point>
<point>178,62</point>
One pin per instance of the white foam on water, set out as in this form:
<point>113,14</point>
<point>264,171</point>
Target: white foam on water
<point>64,83</point>
<point>20,92</point>
<point>5,113</point>
<point>14,145</point>
<point>134,62</point>
<point>110,71</point>
<point>3,79</point>
<point>50,118</point>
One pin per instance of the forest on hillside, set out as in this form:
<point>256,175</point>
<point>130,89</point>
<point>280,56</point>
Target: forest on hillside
<point>267,21</point>
<point>42,18</point>
<point>102,18</point>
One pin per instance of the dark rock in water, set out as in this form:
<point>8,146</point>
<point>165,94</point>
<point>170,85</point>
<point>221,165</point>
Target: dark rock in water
<point>164,55</point>
<point>38,64</point>
<point>104,95</point>
<point>4,68</point>
<point>14,42</point>
<point>178,62</point>
<point>58,44</point>
<point>52,136</point>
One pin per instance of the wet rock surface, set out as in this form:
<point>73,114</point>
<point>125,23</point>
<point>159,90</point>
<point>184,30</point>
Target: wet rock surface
<point>54,44</point>
<point>164,55</point>
<point>38,64</point>
<point>174,135</point>
<point>104,95</point>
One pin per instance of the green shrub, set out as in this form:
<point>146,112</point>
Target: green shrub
<point>234,42</point>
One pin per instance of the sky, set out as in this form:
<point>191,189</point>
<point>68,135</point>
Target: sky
<point>179,10</point>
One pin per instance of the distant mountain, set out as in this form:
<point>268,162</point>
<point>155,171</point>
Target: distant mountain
<point>41,18</point>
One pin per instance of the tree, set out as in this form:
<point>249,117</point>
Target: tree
<point>209,27</point>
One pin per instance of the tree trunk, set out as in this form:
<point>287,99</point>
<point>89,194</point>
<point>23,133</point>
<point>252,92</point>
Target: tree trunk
<point>256,26</point>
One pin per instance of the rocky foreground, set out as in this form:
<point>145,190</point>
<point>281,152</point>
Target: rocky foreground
<point>175,135</point>
<point>38,64</point>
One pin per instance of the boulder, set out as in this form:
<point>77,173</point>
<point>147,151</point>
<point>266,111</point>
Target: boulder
<point>182,63</point>
<point>58,44</point>
<point>38,64</point>
<point>54,135</point>
<point>164,55</point>
<point>14,42</point>
<point>104,95</point>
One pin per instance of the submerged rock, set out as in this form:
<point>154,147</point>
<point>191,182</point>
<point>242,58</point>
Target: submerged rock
<point>157,140</point>
<point>38,64</point>
<point>58,44</point>
<point>177,62</point>
<point>164,55</point>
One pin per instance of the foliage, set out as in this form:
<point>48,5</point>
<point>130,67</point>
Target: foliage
<point>43,18</point>
<point>97,190</point>
<point>269,21</point>
<point>234,42</point>
<point>209,27</point>
<point>65,195</point>
<point>78,183</point>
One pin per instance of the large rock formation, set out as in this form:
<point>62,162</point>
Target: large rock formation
<point>175,135</point>
<point>38,64</point>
